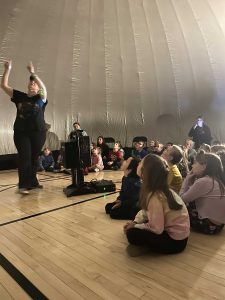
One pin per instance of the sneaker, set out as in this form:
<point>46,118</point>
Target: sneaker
<point>96,170</point>
<point>135,251</point>
<point>23,191</point>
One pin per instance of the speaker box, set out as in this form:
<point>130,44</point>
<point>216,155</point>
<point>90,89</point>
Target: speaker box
<point>76,153</point>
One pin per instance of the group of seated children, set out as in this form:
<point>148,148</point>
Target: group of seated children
<point>113,158</point>
<point>161,203</point>
<point>166,206</point>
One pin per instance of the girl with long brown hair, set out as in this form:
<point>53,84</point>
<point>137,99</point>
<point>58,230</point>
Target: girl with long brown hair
<point>162,224</point>
<point>203,191</point>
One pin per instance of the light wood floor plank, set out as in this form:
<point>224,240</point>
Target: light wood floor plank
<point>78,252</point>
<point>9,289</point>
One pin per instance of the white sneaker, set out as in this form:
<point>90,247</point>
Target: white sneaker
<point>23,191</point>
<point>97,170</point>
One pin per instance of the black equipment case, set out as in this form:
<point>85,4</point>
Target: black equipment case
<point>102,186</point>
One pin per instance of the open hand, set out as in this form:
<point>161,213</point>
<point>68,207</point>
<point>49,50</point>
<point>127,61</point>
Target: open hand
<point>30,67</point>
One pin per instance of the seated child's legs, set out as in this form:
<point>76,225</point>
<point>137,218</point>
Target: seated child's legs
<point>161,243</point>
<point>109,206</point>
<point>202,225</point>
<point>120,213</point>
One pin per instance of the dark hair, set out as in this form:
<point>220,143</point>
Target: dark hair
<point>214,167</point>
<point>119,143</point>
<point>155,172</point>
<point>100,137</point>
<point>76,123</point>
<point>169,144</point>
<point>133,167</point>
<point>32,78</point>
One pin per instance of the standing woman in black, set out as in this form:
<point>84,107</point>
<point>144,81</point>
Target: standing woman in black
<point>29,126</point>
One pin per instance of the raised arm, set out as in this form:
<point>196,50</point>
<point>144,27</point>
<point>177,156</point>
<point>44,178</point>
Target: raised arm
<point>5,78</point>
<point>43,90</point>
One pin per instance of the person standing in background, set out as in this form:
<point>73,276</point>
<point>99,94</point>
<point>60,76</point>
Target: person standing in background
<point>200,133</point>
<point>29,126</point>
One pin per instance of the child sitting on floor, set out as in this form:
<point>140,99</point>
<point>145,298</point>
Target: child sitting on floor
<point>163,223</point>
<point>203,191</point>
<point>125,206</point>
<point>173,155</point>
<point>139,151</point>
<point>96,160</point>
<point>115,158</point>
<point>46,161</point>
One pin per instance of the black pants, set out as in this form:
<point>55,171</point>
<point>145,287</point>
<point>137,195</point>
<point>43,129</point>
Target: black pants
<point>28,145</point>
<point>202,225</point>
<point>123,212</point>
<point>161,243</point>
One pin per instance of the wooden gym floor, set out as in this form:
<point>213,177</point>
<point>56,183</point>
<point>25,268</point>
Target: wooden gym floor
<point>54,247</point>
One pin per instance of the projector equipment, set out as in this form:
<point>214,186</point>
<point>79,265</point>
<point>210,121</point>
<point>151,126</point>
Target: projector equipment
<point>76,153</point>
<point>102,186</point>
<point>76,156</point>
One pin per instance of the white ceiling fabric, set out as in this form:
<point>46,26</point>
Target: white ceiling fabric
<point>122,68</point>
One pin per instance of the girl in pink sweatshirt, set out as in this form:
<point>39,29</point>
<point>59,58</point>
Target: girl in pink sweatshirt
<point>203,191</point>
<point>96,160</point>
<point>163,223</point>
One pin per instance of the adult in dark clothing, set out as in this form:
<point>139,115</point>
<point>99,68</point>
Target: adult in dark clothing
<point>125,206</point>
<point>104,149</point>
<point>77,131</point>
<point>29,126</point>
<point>200,133</point>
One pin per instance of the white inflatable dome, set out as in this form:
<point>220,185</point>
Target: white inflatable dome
<point>122,68</point>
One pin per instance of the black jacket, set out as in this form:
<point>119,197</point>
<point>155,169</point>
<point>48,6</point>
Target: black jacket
<point>200,135</point>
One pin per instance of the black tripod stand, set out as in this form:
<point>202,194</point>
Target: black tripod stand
<point>78,186</point>
<point>76,155</point>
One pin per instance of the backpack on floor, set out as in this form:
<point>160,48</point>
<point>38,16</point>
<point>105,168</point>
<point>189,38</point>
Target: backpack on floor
<point>102,186</point>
